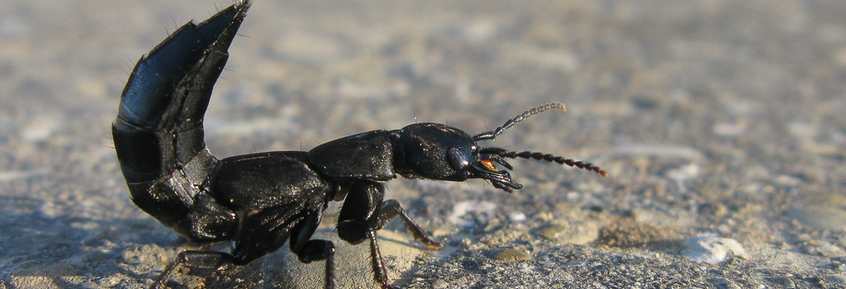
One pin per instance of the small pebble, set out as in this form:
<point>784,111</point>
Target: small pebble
<point>440,284</point>
<point>511,254</point>
<point>517,217</point>
<point>551,231</point>
<point>708,248</point>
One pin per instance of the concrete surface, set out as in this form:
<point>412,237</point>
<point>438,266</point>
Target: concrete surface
<point>720,124</point>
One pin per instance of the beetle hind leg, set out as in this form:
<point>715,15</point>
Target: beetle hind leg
<point>195,259</point>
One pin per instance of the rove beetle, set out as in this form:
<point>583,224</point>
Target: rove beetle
<point>260,201</point>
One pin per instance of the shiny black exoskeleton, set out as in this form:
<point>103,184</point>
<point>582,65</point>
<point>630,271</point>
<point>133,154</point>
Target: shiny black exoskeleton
<point>260,201</point>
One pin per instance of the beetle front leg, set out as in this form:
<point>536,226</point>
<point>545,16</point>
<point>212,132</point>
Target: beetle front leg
<point>362,201</point>
<point>360,214</point>
<point>390,210</point>
<point>380,273</point>
<point>364,213</point>
<point>354,226</point>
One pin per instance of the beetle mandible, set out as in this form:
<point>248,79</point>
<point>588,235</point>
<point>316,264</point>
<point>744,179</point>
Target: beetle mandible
<point>260,201</point>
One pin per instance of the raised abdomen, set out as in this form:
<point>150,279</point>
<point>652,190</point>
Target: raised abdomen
<point>158,133</point>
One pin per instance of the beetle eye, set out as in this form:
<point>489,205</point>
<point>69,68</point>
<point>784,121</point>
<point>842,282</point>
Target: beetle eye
<point>457,159</point>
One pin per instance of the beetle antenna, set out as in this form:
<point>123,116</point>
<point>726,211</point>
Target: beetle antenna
<point>488,135</point>
<point>554,159</point>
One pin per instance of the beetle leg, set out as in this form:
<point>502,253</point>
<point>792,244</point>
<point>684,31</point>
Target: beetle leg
<point>359,215</point>
<point>314,250</point>
<point>364,213</point>
<point>360,206</point>
<point>361,203</point>
<point>380,273</point>
<point>390,210</point>
<point>196,259</point>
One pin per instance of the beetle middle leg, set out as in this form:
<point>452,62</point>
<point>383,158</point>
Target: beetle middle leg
<point>314,250</point>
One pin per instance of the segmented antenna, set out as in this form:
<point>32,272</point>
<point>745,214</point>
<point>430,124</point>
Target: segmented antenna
<point>554,159</point>
<point>511,122</point>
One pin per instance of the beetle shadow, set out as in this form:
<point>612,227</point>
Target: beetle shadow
<point>45,249</point>
<point>47,245</point>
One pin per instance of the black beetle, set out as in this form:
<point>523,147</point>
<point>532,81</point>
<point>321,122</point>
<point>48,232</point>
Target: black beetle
<point>260,201</point>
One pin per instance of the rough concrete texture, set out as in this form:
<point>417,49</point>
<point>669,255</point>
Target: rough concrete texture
<point>714,119</point>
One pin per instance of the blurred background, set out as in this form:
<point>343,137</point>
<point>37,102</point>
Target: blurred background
<point>719,122</point>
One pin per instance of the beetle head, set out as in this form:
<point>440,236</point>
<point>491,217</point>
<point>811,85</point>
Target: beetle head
<point>440,152</point>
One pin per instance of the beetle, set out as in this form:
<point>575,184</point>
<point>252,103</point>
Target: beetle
<point>261,201</point>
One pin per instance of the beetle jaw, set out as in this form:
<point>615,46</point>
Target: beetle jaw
<point>485,168</point>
